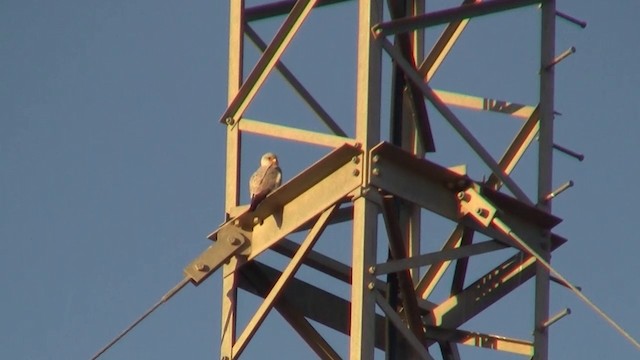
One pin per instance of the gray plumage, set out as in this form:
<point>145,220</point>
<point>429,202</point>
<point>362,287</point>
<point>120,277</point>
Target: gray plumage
<point>266,179</point>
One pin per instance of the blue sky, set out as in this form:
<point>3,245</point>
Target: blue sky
<point>112,161</point>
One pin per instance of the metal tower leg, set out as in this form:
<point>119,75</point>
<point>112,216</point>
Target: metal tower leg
<point>232,183</point>
<point>545,171</point>
<point>365,212</point>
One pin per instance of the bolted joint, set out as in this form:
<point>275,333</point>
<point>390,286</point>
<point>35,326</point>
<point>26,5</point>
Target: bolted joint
<point>201,267</point>
<point>233,240</point>
<point>463,196</point>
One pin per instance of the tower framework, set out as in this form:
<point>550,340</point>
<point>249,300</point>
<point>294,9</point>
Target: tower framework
<point>370,181</point>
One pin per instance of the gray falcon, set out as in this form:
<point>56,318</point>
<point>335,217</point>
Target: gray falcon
<point>266,179</point>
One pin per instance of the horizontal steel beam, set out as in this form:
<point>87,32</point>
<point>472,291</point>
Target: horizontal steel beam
<point>485,104</point>
<point>486,341</point>
<point>435,188</point>
<point>293,134</point>
<point>448,15</point>
<point>439,256</point>
<point>278,8</point>
<point>331,267</point>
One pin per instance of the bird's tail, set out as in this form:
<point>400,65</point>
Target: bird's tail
<point>256,200</point>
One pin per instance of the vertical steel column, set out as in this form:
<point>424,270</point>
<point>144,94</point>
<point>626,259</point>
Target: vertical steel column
<point>232,183</point>
<point>365,213</point>
<point>545,171</point>
<point>412,142</point>
<point>405,134</point>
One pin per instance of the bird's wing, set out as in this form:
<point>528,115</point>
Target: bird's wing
<point>255,182</point>
<point>262,182</point>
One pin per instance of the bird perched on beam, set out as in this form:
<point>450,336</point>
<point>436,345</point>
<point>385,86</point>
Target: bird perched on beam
<point>266,179</point>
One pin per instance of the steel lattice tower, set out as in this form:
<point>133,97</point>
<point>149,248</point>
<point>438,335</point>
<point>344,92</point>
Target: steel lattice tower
<point>365,176</point>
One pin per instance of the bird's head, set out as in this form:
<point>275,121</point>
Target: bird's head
<point>268,159</point>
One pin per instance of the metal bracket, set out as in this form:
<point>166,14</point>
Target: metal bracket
<point>232,240</point>
<point>474,204</point>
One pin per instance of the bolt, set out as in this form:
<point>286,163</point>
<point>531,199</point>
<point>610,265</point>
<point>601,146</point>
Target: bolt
<point>461,195</point>
<point>371,286</point>
<point>234,240</point>
<point>356,160</point>
<point>377,32</point>
<point>356,172</point>
<point>372,270</point>
<point>230,121</point>
<point>481,212</point>
<point>376,158</point>
<point>256,220</point>
<point>375,172</point>
<point>200,267</point>
<point>365,190</point>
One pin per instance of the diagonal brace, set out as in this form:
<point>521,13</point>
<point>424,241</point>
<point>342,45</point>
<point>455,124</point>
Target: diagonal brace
<point>397,322</point>
<point>398,251</point>
<point>453,120</point>
<point>297,86</point>
<point>267,61</point>
<point>287,274</point>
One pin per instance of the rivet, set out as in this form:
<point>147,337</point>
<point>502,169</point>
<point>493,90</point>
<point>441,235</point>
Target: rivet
<point>375,172</point>
<point>376,158</point>
<point>230,121</point>
<point>356,172</point>
<point>234,240</point>
<point>356,160</point>
<point>372,270</point>
<point>371,286</point>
